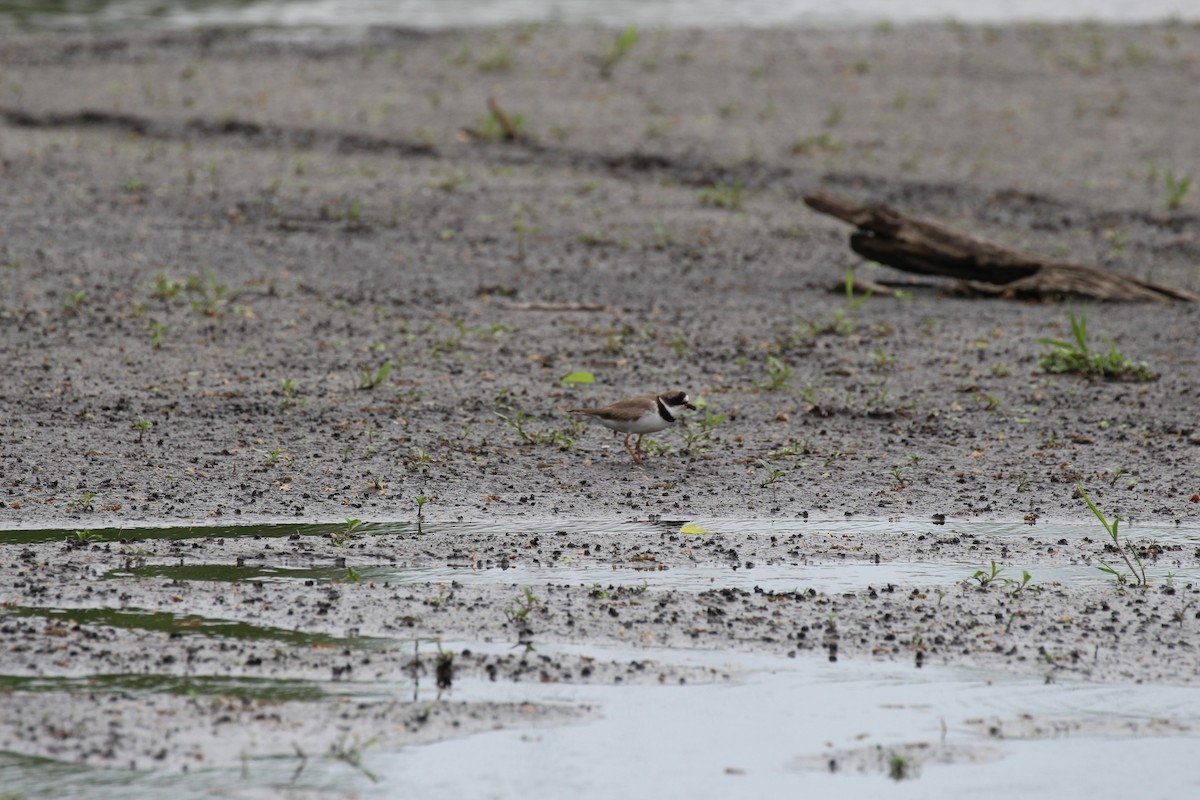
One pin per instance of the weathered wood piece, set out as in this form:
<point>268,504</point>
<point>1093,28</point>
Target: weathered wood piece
<point>927,247</point>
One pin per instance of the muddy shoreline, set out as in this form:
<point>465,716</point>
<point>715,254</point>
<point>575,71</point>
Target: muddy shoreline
<point>311,644</point>
<point>230,285</point>
<point>244,278</point>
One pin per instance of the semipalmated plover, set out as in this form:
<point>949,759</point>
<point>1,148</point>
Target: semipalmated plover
<point>643,414</point>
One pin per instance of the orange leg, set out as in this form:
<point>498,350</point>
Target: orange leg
<point>636,456</point>
<point>639,447</point>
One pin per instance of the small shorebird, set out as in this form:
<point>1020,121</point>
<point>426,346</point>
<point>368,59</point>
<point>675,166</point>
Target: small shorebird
<point>643,414</point>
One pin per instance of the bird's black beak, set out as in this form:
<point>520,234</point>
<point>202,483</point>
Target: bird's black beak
<point>692,406</point>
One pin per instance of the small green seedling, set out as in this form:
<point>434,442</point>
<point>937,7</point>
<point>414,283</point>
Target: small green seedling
<point>1177,189</point>
<point>164,287</point>
<point>142,426</point>
<point>421,501</point>
<point>774,474</point>
<point>695,436</point>
<point>1127,551</point>
<point>899,767</point>
<point>616,50</point>
<point>519,420</point>
<point>523,607</point>
<point>842,323</point>
<point>778,374</point>
<point>370,378</point>
<point>214,295</point>
<point>416,459</point>
<point>288,389</point>
<point>523,229</point>
<point>86,502</point>
<point>722,196</point>
<point>986,578</point>
<point>1019,586</point>
<point>342,537</point>
<point>75,300</point>
<point>352,754</point>
<point>499,60</point>
<point>157,330</point>
<point>1076,357</point>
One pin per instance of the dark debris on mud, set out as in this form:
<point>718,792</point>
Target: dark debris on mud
<point>229,267</point>
<point>213,242</point>
<point>175,617</point>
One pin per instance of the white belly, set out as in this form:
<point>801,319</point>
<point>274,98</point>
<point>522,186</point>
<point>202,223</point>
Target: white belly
<point>647,423</point>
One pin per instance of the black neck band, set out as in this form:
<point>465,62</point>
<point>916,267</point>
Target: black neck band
<point>662,410</point>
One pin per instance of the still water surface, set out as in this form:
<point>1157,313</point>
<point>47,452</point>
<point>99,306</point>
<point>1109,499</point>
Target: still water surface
<point>769,730</point>
<point>435,14</point>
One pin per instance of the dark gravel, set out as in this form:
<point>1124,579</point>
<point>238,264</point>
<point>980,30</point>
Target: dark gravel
<point>211,244</point>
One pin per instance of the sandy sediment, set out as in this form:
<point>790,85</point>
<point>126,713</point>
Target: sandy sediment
<point>225,235</point>
<point>248,276</point>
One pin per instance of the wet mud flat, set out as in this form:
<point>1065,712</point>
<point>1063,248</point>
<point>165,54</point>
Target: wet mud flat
<point>192,649</point>
<point>249,275</point>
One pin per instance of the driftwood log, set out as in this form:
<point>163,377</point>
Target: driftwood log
<point>932,248</point>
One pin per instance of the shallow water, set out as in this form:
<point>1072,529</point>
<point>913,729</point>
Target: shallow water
<point>749,739</point>
<point>827,578</point>
<point>771,730</point>
<point>820,576</point>
<point>1166,533</point>
<point>435,14</point>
